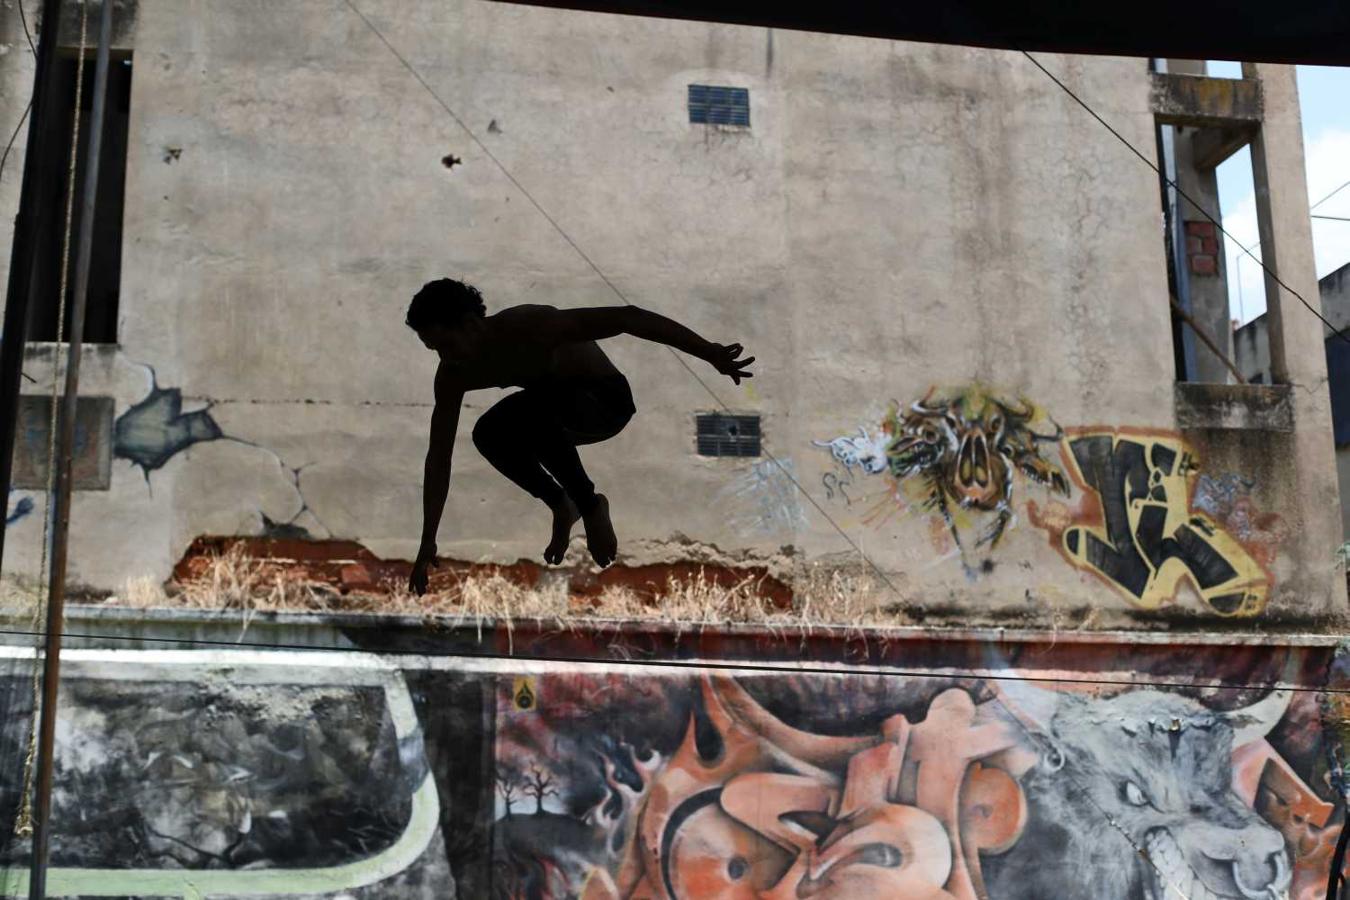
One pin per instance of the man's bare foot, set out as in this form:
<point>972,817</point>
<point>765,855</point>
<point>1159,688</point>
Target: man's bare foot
<point>600,537</point>
<point>565,515</point>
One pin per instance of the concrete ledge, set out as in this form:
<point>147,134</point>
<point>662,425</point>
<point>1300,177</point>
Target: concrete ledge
<point>1201,101</point>
<point>1250,407</point>
<point>93,626</point>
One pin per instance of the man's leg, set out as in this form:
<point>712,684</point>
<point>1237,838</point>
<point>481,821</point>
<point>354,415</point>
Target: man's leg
<point>588,414</point>
<point>511,436</point>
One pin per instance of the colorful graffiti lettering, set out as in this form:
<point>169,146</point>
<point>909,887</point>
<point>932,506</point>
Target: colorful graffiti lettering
<point>1001,790</point>
<point>955,454</point>
<point>1139,530</point>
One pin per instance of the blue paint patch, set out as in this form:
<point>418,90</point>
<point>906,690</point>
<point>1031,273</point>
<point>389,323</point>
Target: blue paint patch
<point>21,509</point>
<point>155,430</point>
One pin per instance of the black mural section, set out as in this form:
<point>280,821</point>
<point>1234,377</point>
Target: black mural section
<point>184,775</point>
<point>456,714</point>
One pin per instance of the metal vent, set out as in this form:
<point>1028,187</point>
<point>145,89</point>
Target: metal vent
<point>721,435</point>
<point>710,105</point>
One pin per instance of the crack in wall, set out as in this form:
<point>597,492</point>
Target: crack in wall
<point>157,429</point>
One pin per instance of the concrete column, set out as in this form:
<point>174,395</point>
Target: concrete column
<point>1297,352</point>
<point>1208,288</point>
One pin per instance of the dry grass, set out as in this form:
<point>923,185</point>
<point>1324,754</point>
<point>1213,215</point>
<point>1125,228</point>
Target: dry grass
<point>19,597</point>
<point>234,581</point>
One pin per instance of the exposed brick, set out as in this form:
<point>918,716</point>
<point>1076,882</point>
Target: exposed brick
<point>356,577</point>
<point>1195,244</point>
<point>1204,264</point>
<point>1201,229</point>
<point>1209,245</point>
<point>348,566</point>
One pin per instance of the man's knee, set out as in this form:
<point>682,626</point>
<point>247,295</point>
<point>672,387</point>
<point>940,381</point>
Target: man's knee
<point>487,432</point>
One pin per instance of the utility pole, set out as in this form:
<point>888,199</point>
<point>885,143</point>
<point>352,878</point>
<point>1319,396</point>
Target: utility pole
<point>65,444</point>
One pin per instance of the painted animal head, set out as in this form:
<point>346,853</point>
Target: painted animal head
<point>1133,798</point>
<point>968,446</point>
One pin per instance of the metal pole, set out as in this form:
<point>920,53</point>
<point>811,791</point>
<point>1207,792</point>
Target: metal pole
<point>64,450</point>
<point>31,222</point>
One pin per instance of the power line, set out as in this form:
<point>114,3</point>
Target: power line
<point>1333,218</point>
<point>786,667</point>
<point>1172,184</point>
<point>618,293</point>
<point>1329,196</point>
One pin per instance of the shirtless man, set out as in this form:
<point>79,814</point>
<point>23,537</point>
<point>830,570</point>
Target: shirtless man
<point>571,394</point>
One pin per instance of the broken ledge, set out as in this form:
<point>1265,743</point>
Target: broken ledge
<point>1234,407</point>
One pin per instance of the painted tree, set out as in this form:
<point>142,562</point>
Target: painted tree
<point>539,784</point>
<point>509,786</point>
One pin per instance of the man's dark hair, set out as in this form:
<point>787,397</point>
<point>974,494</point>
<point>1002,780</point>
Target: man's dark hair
<point>444,302</point>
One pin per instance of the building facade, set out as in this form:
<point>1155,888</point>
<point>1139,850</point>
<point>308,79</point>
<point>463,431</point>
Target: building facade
<point>993,369</point>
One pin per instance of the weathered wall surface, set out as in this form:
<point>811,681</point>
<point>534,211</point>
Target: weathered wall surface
<point>922,768</point>
<point>900,222</point>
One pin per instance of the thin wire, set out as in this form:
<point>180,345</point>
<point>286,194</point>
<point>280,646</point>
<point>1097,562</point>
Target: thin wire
<point>718,665</point>
<point>1152,165</point>
<point>716,399</point>
<point>1333,218</point>
<point>1329,196</point>
<point>24,19</point>
<point>17,128</point>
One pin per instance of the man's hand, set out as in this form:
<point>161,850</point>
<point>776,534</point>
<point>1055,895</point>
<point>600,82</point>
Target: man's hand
<point>426,558</point>
<point>724,359</point>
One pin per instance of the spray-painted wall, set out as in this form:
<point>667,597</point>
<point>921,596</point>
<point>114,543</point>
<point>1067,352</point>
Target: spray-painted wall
<point>898,222</point>
<point>862,766</point>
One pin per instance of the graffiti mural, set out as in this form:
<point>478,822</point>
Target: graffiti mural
<point>956,454</point>
<point>943,790</point>
<point>350,775</point>
<point>763,499</point>
<point>1128,506</point>
<point>1139,529</point>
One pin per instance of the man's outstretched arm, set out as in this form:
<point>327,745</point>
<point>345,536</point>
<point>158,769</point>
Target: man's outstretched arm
<point>598,323</point>
<point>436,479</point>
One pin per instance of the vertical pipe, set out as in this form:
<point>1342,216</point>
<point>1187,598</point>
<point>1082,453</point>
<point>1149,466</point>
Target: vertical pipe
<point>30,222</point>
<point>64,451</point>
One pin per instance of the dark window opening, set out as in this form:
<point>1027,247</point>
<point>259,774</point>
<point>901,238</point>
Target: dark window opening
<point>105,263</point>
<point>721,435</point>
<point>710,105</point>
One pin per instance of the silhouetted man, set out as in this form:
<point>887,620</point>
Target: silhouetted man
<point>571,395</point>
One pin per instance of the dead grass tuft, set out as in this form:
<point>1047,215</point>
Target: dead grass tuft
<point>232,580</point>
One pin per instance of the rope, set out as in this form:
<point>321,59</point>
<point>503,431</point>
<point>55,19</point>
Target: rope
<point>618,293</point>
<point>23,826</point>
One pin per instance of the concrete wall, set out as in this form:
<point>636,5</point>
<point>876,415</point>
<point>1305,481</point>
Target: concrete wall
<point>900,221</point>
<point>1252,342</point>
<point>949,769</point>
<point>1334,289</point>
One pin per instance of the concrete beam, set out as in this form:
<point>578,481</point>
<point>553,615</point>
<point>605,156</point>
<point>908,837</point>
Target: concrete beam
<point>1211,146</point>
<point>1246,407</point>
<point>1204,102</point>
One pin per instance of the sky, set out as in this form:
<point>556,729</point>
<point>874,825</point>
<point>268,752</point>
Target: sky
<point>1323,93</point>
